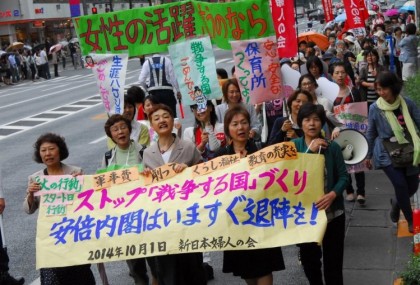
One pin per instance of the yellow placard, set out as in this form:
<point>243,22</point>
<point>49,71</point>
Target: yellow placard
<point>237,207</point>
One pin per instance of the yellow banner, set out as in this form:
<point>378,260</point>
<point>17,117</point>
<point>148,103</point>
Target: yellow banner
<point>264,200</point>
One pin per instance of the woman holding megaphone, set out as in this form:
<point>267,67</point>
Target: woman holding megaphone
<point>348,95</point>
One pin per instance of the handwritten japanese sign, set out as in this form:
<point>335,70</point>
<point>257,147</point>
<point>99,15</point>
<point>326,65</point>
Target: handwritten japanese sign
<point>354,116</point>
<point>151,29</point>
<point>107,179</point>
<point>58,191</point>
<point>257,68</point>
<point>110,71</point>
<point>231,208</point>
<point>195,69</point>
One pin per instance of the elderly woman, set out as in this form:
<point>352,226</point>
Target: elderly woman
<point>397,118</point>
<point>173,269</point>
<point>232,97</point>
<point>409,53</point>
<point>310,119</point>
<point>139,132</point>
<point>125,153</point>
<point>286,128</point>
<point>254,266</point>
<point>51,149</point>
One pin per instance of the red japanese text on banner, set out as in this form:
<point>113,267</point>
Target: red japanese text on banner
<point>283,14</point>
<point>327,5</point>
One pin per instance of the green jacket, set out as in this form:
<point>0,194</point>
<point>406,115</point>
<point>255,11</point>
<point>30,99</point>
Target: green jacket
<point>337,176</point>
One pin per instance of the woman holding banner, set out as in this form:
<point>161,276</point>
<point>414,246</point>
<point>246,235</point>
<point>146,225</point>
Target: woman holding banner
<point>286,128</point>
<point>348,95</point>
<point>394,118</point>
<point>254,266</point>
<point>311,118</point>
<point>50,149</point>
<point>173,269</point>
<point>125,152</point>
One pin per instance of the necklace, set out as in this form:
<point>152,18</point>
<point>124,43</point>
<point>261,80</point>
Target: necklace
<point>163,151</point>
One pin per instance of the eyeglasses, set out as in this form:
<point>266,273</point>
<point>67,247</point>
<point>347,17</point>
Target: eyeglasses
<point>121,128</point>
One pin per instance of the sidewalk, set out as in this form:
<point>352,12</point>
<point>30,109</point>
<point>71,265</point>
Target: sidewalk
<point>375,249</point>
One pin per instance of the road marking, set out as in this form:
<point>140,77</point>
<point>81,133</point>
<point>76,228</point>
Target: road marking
<point>55,87</point>
<point>100,116</point>
<point>98,140</point>
<point>42,96</point>
<point>45,117</point>
<point>223,60</point>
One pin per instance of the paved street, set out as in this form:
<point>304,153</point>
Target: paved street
<point>70,105</point>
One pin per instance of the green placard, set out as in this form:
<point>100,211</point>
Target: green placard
<point>150,30</point>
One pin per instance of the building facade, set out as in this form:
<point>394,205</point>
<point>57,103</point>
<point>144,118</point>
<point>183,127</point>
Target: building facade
<point>37,21</point>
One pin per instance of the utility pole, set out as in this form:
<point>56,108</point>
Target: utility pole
<point>84,6</point>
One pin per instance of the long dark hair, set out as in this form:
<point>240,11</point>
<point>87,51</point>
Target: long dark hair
<point>213,117</point>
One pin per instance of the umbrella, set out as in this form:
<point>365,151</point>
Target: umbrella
<point>408,6</point>
<point>392,13</point>
<point>340,18</point>
<point>55,48</point>
<point>6,54</point>
<point>39,47</point>
<point>64,43</point>
<point>15,45</point>
<point>27,47</point>
<point>319,39</point>
<point>74,40</point>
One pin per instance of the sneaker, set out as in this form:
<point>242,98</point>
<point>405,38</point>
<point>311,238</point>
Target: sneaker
<point>410,227</point>
<point>350,197</point>
<point>361,199</point>
<point>395,211</point>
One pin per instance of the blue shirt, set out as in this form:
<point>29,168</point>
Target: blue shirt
<point>12,60</point>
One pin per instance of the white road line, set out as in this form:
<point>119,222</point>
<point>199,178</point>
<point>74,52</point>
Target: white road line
<point>16,127</point>
<point>98,140</point>
<point>42,96</point>
<point>56,86</point>
<point>222,60</point>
